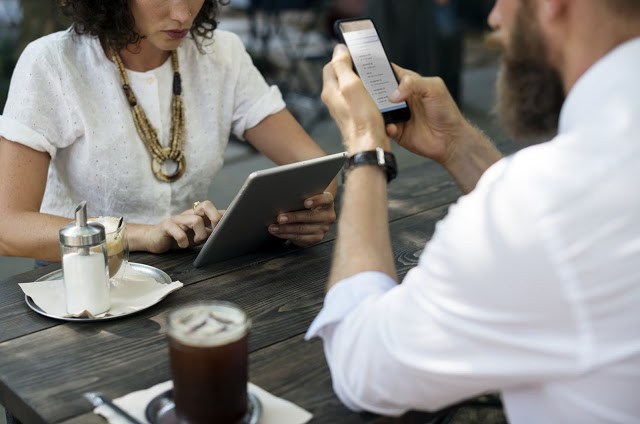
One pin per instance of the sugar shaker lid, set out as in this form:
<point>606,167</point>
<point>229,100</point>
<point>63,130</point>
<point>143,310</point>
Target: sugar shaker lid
<point>80,233</point>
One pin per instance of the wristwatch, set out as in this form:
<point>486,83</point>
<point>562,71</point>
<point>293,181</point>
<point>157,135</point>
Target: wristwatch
<point>378,157</point>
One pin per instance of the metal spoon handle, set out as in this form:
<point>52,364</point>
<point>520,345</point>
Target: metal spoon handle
<point>98,399</point>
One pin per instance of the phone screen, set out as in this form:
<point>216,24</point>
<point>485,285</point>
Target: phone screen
<point>373,66</point>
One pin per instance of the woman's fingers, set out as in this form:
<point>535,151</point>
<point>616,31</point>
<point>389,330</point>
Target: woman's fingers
<point>319,209</point>
<point>303,235</point>
<point>207,211</point>
<point>186,229</point>
<point>308,226</point>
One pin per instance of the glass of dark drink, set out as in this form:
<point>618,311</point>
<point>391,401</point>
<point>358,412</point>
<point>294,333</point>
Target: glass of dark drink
<point>208,354</point>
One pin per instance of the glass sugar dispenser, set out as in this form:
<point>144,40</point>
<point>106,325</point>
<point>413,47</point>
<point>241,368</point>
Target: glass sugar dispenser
<point>84,265</point>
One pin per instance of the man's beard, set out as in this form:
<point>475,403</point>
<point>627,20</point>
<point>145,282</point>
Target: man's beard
<point>530,91</point>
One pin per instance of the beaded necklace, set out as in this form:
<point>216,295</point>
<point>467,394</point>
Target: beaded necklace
<point>168,163</point>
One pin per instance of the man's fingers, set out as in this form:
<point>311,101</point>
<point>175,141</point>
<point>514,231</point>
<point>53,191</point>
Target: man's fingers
<point>401,72</point>
<point>329,83</point>
<point>343,66</point>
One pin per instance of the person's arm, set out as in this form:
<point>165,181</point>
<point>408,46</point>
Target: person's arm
<point>281,138</point>
<point>472,154</point>
<point>442,335</point>
<point>191,227</point>
<point>363,242</point>
<point>437,130</point>
<point>24,231</point>
<point>461,322</point>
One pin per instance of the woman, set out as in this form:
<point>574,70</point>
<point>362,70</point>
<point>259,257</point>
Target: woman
<point>131,110</point>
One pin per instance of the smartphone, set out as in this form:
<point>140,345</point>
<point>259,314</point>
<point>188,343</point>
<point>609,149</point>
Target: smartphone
<point>372,65</point>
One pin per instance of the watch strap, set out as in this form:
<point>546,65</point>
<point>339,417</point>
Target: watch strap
<point>378,157</point>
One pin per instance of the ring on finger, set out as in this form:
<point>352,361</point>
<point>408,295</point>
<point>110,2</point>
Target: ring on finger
<point>195,206</point>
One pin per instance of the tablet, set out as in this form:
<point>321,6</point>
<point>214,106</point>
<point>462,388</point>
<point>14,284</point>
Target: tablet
<point>264,195</point>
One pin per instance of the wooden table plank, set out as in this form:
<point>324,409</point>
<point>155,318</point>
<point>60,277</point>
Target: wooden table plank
<point>282,297</point>
<point>417,189</point>
<point>47,364</point>
<point>297,371</point>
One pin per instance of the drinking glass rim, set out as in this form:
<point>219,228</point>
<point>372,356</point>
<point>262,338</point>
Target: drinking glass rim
<point>243,326</point>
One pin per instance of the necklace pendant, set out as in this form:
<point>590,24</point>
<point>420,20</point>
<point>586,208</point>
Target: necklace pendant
<point>168,170</point>
<point>169,167</point>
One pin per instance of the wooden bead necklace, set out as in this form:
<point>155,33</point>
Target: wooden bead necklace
<point>168,163</point>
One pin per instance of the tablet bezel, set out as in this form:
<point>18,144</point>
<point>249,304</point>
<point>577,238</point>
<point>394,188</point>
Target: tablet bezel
<point>264,195</point>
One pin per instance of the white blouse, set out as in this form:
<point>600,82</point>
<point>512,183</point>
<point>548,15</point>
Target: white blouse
<point>66,99</point>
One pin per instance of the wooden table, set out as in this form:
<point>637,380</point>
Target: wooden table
<point>46,365</point>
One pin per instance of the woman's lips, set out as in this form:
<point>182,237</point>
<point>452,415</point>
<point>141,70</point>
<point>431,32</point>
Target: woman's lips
<point>176,34</point>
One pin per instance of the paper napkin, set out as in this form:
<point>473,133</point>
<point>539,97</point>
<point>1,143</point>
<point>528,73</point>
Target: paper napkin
<point>133,292</point>
<point>275,410</point>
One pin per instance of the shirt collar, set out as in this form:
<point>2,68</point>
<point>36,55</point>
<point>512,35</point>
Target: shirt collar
<point>616,72</point>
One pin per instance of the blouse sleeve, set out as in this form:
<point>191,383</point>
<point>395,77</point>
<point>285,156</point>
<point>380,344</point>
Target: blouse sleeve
<point>254,98</point>
<point>37,113</point>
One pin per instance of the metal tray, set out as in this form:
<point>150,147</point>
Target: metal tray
<point>148,270</point>
<point>161,409</point>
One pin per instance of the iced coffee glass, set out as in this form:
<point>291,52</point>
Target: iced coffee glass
<point>117,245</point>
<point>208,354</point>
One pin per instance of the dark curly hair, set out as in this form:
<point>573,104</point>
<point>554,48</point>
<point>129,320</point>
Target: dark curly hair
<point>112,21</point>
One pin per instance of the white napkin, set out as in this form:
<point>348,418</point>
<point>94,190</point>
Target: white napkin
<point>133,292</point>
<point>275,410</point>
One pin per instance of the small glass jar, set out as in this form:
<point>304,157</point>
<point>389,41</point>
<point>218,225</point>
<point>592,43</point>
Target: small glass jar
<point>117,245</point>
<point>84,265</point>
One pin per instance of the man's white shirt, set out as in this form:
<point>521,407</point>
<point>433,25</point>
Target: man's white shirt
<point>529,286</point>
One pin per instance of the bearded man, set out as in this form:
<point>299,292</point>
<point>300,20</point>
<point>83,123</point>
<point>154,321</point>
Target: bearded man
<point>529,286</point>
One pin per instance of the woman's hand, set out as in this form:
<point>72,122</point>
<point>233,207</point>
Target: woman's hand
<point>190,228</point>
<point>308,226</point>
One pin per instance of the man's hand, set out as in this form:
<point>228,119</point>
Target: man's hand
<point>351,106</point>
<point>436,122</point>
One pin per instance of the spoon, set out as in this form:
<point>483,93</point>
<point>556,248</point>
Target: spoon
<point>98,399</point>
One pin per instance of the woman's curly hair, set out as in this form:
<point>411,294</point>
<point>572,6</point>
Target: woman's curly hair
<point>112,21</point>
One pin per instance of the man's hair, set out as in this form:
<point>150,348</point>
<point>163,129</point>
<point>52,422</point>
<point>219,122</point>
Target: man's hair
<point>112,21</point>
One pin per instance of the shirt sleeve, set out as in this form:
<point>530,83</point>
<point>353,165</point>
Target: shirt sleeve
<point>37,113</point>
<point>345,296</point>
<point>475,315</point>
<point>254,98</point>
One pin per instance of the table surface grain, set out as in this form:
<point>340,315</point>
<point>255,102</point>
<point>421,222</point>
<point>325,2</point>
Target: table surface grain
<point>47,364</point>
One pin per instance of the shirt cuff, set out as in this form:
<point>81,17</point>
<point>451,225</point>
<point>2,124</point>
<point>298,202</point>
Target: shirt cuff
<point>13,130</point>
<point>345,296</point>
